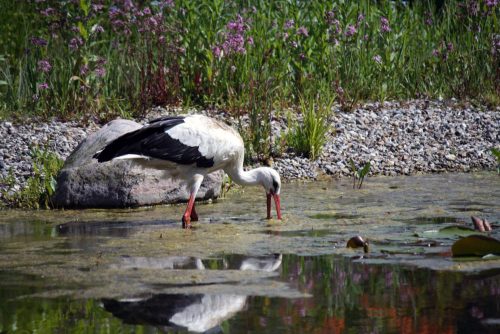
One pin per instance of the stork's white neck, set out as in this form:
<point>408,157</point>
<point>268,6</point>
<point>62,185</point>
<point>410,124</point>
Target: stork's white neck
<point>252,177</point>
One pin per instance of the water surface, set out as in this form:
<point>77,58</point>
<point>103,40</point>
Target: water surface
<point>136,270</point>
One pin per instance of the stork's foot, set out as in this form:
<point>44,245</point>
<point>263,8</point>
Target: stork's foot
<point>186,222</point>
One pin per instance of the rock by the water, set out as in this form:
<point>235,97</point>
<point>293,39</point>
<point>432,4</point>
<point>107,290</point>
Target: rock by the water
<point>85,183</point>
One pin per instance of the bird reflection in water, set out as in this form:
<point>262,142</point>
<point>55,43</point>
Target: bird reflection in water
<point>194,312</point>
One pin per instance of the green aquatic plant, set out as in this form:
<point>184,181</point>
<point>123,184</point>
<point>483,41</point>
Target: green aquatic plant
<point>309,137</point>
<point>39,187</point>
<point>359,174</point>
<point>496,154</point>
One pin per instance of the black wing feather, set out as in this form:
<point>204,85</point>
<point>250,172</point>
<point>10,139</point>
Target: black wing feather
<point>152,141</point>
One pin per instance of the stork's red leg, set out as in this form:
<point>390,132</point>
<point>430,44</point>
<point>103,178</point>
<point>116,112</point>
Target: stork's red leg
<point>186,218</point>
<point>190,214</point>
<point>269,206</point>
<point>194,215</point>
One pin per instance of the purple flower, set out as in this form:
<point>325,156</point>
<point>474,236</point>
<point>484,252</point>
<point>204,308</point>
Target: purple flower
<point>361,18</point>
<point>128,5</point>
<point>84,69</point>
<point>167,3</point>
<point>44,66</point>
<point>250,40</point>
<point>491,3</point>
<point>114,12</point>
<point>97,7</point>
<point>435,53</point>
<point>100,72</point>
<point>302,31</point>
<point>336,23</point>
<point>238,25</point>
<point>146,11</point>
<point>384,25</point>
<point>330,16</point>
<point>377,59</point>
<point>428,19</point>
<point>302,56</point>
<point>289,24</point>
<point>102,61</point>
<point>473,8</point>
<point>43,86</point>
<point>116,24</point>
<point>97,29</point>
<point>449,47</point>
<point>350,31</point>
<point>38,41</point>
<point>75,43</point>
<point>217,52</point>
<point>48,12</point>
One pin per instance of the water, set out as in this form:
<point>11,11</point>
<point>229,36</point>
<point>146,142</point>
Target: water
<point>111,271</point>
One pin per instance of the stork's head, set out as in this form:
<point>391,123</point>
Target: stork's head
<point>271,181</point>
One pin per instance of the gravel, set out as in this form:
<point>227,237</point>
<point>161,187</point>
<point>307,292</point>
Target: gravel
<point>397,138</point>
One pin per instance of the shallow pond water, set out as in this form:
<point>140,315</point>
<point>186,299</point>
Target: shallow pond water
<point>137,271</point>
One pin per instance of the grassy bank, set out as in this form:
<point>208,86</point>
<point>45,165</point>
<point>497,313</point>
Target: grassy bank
<point>108,57</point>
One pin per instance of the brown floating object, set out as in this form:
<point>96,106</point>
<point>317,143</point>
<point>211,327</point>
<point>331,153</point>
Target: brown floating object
<point>358,242</point>
<point>476,245</point>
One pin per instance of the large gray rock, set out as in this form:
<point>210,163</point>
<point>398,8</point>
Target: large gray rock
<point>85,183</point>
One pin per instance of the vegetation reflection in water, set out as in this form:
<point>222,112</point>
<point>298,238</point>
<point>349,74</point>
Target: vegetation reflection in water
<point>347,296</point>
<point>121,271</point>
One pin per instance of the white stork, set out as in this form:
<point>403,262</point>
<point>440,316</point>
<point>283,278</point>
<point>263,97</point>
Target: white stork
<point>190,147</point>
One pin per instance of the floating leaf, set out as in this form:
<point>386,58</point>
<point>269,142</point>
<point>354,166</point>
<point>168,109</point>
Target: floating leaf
<point>453,230</point>
<point>328,215</point>
<point>476,245</point>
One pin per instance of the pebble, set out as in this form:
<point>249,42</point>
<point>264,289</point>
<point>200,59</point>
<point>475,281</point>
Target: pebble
<point>397,138</point>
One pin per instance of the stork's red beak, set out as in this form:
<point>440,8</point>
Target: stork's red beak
<point>277,203</point>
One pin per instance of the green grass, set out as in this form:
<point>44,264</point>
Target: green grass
<point>309,136</point>
<point>119,61</point>
<point>39,187</point>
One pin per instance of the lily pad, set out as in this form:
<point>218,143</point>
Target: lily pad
<point>476,245</point>
<point>333,216</point>
<point>449,231</point>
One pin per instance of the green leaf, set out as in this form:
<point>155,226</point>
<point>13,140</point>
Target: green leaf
<point>496,153</point>
<point>362,172</point>
<point>476,245</point>
<point>85,6</point>
<point>449,231</point>
<point>83,31</point>
<point>53,184</point>
<point>353,166</point>
<point>3,83</point>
